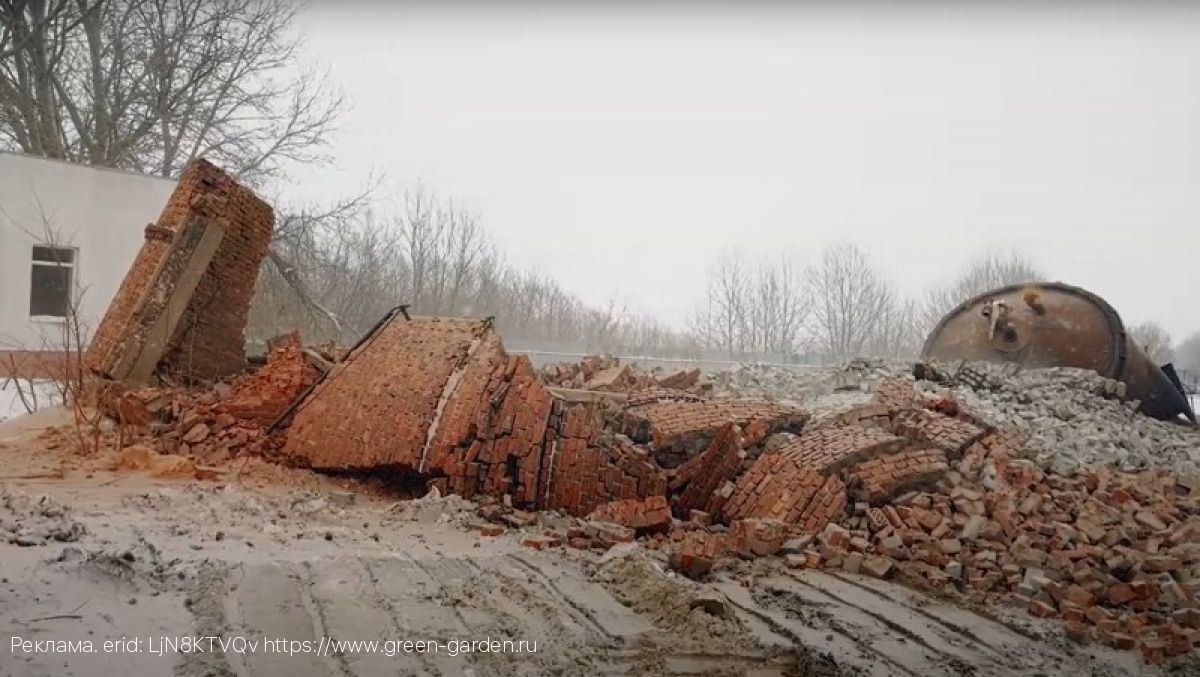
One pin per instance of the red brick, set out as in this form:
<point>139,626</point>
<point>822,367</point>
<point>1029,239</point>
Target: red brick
<point>209,339</point>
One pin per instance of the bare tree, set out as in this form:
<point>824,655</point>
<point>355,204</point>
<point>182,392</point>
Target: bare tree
<point>779,305</point>
<point>899,332</point>
<point>721,320</point>
<point>1188,352</point>
<point>148,85</point>
<point>1154,340</point>
<point>354,263</point>
<point>850,301</point>
<point>752,309</point>
<point>987,272</point>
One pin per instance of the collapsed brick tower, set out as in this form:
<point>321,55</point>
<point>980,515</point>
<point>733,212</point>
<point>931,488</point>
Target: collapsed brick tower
<point>440,398</point>
<point>182,307</point>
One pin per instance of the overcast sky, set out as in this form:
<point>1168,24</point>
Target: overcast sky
<point>621,149</point>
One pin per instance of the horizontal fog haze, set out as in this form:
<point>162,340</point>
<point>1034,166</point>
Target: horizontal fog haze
<point>621,149</point>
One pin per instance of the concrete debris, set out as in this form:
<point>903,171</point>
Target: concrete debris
<point>801,384</point>
<point>1074,418</point>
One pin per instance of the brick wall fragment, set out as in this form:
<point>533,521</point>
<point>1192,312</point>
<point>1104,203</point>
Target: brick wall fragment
<point>929,427</point>
<point>208,337</point>
<point>829,450</point>
<point>703,476</point>
<point>640,514</point>
<point>775,487</point>
<point>884,477</point>
<point>264,395</point>
<point>682,429</point>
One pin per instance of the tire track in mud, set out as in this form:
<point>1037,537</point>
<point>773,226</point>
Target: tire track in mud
<point>384,604</point>
<point>881,618</point>
<point>743,602</point>
<point>567,603</point>
<point>438,622</point>
<point>955,628</point>
<point>207,603</point>
<point>336,660</point>
<point>957,660</point>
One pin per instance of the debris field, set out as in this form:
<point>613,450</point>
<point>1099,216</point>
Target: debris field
<point>916,481</point>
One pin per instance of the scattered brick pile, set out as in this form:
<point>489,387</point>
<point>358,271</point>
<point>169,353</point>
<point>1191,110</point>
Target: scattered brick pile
<point>896,488</point>
<point>220,421</point>
<point>264,395</point>
<point>902,488</point>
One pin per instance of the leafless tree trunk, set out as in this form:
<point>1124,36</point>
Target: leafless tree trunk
<point>752,310</point>
<point>148,85</point>
<point>851,301</point>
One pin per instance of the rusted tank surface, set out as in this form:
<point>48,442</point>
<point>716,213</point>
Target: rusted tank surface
<point>1055,325</point>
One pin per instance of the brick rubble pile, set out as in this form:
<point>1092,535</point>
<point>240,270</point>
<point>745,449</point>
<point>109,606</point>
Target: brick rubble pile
<point>975,478</point>
<point>218,421</point>
<point>926,491</point>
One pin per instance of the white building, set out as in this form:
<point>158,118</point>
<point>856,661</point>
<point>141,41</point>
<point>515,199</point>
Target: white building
<point>66,231</point>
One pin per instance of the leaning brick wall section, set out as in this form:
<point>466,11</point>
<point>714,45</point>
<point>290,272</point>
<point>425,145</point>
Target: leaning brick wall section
<point>104,350</point>
<point>569,465</point>
<point>775,487</point>
<point>472,398</point>
<point>944,432</point>
<point>376,408</point>
<point>883,477</point>
<point>581,473</point>
<point>209,340</point>
<point>829,450</point>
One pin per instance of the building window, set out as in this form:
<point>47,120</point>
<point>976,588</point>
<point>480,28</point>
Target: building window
<point>52,277</point>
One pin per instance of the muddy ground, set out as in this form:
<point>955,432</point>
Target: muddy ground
<point>92,553</point>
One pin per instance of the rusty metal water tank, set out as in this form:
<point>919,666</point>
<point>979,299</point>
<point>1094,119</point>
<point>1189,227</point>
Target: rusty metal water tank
<point>1050,324</point>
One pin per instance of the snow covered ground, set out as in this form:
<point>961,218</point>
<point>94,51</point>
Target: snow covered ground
<point>10,399</point>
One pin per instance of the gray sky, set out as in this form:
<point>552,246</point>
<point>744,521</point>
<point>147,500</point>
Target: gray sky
<point>621,149</point>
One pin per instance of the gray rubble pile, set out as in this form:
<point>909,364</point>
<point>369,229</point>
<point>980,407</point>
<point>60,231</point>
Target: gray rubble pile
<point>1075,417</point>
<point>853,381</point>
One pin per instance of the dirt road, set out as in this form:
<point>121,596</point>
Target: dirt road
<point>270,554</point>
